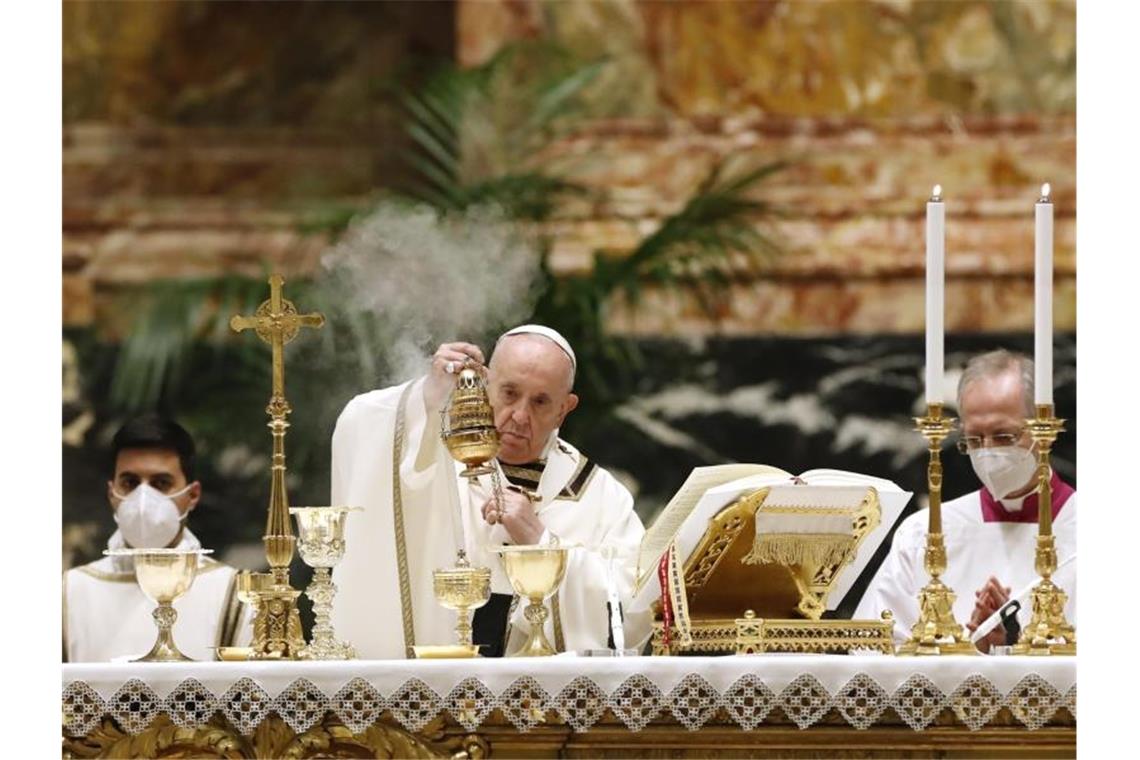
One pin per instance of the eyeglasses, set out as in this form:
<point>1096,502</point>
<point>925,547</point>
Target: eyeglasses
<point>969,443</point>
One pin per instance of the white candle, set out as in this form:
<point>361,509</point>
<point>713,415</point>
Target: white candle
<point>935,277</point>
<point>1043,301</point>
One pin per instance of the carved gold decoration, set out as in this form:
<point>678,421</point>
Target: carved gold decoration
<point>1048,632</point>
<point>830,736</point>
<point>936,631</point>
<point>277,322</point>
<point>273,738</point>
<point>787,585</point>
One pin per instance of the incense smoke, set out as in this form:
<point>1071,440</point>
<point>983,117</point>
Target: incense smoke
<point>415,278</point>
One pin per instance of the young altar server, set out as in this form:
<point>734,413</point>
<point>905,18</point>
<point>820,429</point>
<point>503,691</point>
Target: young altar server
<point>152,491</point>
<point>991,533</point>
<point>387,456</point>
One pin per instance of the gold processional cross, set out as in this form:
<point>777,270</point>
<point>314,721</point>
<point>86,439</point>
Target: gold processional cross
<point>277,322</point>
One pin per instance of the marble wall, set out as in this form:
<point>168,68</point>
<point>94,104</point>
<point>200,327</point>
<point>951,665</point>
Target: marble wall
<point>182,165</point>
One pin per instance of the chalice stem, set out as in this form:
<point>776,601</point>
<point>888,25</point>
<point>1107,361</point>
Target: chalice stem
<point>321,591</point>
<point>537,645</point>
<point>463,626</point>
<point>164,649</point>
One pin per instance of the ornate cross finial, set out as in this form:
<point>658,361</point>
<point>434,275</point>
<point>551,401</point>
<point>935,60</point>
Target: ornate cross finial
<point>277,322</point>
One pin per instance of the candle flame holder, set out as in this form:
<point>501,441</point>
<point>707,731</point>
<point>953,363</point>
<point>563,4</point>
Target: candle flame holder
<point>1048,631</point>
<point>936,632</point>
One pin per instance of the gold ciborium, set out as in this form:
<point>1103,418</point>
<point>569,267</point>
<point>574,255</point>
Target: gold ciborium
<point>163,575</point>
<point>321,544</point>
<point>535,572</point>
<point>462,588</point>
<point>468,425</point>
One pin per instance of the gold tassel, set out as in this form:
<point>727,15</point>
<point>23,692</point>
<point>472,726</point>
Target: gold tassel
<point>804,549</point>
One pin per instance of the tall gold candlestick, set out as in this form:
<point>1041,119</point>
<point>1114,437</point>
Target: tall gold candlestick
<point>277,627</point>
<point>1048,631</point>
<point>936,631</point>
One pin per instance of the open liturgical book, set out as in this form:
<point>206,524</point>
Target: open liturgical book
<point>746,541</point>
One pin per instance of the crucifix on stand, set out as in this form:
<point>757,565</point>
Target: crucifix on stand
<point>277,624</point>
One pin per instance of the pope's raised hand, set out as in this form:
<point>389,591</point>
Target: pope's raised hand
<point>517,516</point>
<point>446,363</point>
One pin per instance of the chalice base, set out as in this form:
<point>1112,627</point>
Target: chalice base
<point>937,632</point>
<point>328,650</point>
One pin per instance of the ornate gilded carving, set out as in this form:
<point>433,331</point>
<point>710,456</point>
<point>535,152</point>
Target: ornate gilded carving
<point>273,739</point>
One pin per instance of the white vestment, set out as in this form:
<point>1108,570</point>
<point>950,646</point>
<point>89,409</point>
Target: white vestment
<point>975,550</point>
<point>107,616</point>
<point>385,603</point>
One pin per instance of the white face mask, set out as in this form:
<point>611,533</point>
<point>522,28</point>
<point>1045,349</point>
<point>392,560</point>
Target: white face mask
<point>1003,469</point>
<point>148,518</point>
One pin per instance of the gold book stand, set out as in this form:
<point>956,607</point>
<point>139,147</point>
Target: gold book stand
<point>746,596</point>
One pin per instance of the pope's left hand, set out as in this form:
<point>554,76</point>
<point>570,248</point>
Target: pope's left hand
<point>518,517</point>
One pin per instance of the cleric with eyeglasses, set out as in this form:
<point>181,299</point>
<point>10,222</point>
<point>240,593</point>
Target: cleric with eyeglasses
<point>990,534</point>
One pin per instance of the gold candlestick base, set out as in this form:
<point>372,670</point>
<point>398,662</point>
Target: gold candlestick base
<point>936,632</point>
<point>276,622</point>
<point>1048,631</point>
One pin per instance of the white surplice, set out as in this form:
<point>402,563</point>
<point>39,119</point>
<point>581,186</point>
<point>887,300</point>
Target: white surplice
<point>107,616</point>
<point>383,607</point>
<point>975,550</point>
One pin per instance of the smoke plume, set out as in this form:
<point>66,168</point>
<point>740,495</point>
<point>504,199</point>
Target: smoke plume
<point>421,278</point>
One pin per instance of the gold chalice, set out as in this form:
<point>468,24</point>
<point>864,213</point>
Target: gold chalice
<point>468,425</point>
<point>321,544</point>
<point>535,572</point>
<point>462,588</point>
<point>163,575</point>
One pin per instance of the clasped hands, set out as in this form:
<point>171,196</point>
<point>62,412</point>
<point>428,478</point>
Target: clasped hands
<point>988,600</point>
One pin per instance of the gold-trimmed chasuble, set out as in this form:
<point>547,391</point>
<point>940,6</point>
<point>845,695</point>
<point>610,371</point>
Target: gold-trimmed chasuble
<point>277,625</point>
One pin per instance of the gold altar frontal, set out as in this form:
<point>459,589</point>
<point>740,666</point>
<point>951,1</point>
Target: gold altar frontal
<point>778,736</point>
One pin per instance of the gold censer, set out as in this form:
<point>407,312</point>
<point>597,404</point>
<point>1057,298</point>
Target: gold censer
<point>468,425</point>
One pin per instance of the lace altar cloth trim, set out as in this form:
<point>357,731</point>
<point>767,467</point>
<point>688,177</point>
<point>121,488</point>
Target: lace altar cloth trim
<point>743,690</point>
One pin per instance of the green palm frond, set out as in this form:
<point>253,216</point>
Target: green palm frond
<point>714,237</point>
<point>169,320</point>
<point>475,131</point>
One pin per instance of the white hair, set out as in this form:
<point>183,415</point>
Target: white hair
<point>995,364</point>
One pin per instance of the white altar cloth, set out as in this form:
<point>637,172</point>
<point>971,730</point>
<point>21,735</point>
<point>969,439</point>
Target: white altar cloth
<point>637,689</point>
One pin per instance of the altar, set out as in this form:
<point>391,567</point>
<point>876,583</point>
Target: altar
<point>770,705</point>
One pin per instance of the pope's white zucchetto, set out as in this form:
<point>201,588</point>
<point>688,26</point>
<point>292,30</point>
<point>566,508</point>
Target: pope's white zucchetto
<point>546,332</point>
